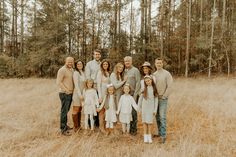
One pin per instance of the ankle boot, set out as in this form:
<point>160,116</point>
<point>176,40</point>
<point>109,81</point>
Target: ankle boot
<point>79,119</point>
<point>75,121</point>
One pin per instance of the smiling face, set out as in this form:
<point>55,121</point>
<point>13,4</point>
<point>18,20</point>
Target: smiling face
<point>97,56</point>
<point>128,62</point>
<point>159,64</point>
<point>126,89</point>
<point>79,65</point>
<point>90,84</point>
<point>148,81</point>
<point>105,65</point>
<point>110,90</point>
<point>69,62</point>
<point>146,70</point>
<point>120,68</point>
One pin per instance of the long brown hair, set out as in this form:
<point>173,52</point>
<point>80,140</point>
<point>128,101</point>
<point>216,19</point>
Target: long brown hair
<point>76,62</point>
<point>108,68</point>
<point>121,75</point>
<point>145,92</point>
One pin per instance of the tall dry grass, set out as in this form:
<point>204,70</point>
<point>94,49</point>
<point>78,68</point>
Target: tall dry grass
<point>201,123</point>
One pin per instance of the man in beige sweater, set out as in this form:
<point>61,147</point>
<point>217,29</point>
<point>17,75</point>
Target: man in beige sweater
<point>66,87</point>
<point>164,81</point>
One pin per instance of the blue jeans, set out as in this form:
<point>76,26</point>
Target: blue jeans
<point>161,117</point>
<point>66,100</point>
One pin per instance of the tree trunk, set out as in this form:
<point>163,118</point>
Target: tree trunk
<point>161,27</point>
<point>142,25</point>
<point>2,26</point>
<point>201,17</point>
<point>222,37</point>
<point>212,37</point>
<point>84,32</point>
<point>131,28</point>
<point>188,37</point>
<point>14,29</point>
<point>119,24</point>
<point>22,27</point>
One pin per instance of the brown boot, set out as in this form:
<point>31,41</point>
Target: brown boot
<point>79,119</point>
<point>75,121</point>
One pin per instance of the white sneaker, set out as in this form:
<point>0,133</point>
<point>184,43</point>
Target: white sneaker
<point>149,138</point>
<point>145,138</point>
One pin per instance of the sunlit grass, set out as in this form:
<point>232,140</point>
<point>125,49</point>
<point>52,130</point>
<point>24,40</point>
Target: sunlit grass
<point>201,122</point>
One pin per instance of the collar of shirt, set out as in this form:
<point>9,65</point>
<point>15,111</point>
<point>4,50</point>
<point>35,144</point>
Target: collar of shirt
<point>127,69</point>
<point>70,69</point>
<point>98,62</point>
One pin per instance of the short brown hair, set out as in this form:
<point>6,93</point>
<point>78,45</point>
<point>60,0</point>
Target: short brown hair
<point>162,59</point>
<point>97,50</point>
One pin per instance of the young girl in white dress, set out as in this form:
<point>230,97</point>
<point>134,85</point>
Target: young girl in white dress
<point>90,103</point>
<point>109,103</point>
<point>148,103</point>
<point>125,105</point>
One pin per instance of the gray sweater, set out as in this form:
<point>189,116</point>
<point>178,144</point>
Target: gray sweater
<point>133,80</point>
<point>164,82</point>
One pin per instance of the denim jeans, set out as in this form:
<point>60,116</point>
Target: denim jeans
<point>161,117</point>
<point>66,100</point>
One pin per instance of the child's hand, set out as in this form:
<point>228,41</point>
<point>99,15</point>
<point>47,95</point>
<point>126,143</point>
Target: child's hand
<point>100,100</point>
<point>81,98</point>
<point>98,110</point>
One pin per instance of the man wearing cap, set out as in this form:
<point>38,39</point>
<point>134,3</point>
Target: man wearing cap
<point>164,81</point>
<point>66,87</point>
<point>91,71</point>
<point>133,79</point>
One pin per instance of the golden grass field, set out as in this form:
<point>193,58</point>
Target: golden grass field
<point>201,123</point>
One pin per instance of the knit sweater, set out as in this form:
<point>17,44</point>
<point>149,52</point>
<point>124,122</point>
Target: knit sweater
<point>65,80</point>
<point>164,82</point>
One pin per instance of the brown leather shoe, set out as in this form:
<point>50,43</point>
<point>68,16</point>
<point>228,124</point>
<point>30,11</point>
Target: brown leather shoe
<point>66,133</point>
<point>156,136</point>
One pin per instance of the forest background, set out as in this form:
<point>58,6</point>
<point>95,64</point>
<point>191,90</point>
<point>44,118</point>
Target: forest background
<point>194,36</point>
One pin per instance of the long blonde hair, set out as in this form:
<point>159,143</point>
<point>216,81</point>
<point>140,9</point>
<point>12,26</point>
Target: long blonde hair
<point>116,71</point>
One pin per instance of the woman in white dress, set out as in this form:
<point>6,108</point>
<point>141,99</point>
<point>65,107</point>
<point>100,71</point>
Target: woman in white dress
<point>148,103</point>
<point>103,79</point>
<point>118,80</point>
<point>79,81</point>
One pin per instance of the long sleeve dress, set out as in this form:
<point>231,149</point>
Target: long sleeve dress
<point>79,82</point>
<point>102,82</point>
<point>148,106</point>
<point>90,101</point>
<point>117,83</point>
<point>125,108</point>
<point>111,111</point>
